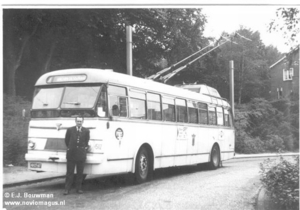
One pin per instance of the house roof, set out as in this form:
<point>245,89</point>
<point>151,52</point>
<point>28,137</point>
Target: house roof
<point>277,62</point>
<point>292,51</point>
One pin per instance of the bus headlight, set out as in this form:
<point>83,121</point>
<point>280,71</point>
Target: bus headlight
<point>31,145</point>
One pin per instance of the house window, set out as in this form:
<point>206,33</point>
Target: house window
<point>288,74</point>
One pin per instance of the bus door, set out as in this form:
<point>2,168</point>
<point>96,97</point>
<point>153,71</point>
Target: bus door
<point>118,125</point>
<point>221,131</point>
<point>169,132</point>
<point>181,149</point>
<point>229,131</point>
<point>193,132</point>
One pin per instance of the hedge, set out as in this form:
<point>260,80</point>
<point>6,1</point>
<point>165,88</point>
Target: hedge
<point>281,180</point>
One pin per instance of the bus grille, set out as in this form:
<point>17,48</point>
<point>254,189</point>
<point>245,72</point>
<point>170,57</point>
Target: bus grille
<point>55,144</point>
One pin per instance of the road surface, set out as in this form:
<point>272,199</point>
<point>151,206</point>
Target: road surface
<point>233,186</point>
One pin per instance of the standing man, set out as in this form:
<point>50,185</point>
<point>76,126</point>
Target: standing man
<point>77,139</point>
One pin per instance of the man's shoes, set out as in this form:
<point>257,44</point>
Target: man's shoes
<point>66,192</point>
<point>79,191</point>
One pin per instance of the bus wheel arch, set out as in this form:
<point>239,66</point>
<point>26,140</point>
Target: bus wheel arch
<point>215,157</point>
<point>144,164</point>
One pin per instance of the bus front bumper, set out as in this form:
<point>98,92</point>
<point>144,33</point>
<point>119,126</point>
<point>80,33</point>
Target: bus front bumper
<point>59,158</point>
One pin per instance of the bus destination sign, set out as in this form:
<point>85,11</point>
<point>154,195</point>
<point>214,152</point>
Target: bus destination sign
<point>67,78</point>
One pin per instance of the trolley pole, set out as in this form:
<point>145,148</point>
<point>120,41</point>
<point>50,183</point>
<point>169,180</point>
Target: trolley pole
<point>231,85</point>
<point>129,49</point>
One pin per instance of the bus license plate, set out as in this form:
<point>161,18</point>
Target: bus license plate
<point>35,165</point>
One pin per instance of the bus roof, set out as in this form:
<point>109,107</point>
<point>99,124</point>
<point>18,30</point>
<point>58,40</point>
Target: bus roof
<point>84,75</point>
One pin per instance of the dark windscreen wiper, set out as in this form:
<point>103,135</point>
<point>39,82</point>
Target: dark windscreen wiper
<point>74,103</point>
<point>44,104</point>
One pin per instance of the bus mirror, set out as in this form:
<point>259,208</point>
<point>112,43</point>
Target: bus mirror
<point>100,112</point>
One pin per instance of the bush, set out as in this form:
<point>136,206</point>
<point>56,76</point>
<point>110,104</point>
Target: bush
<point>281,181</point>
<point>262,125</point>
<point>15,130</point>
<point>247,145</point>
<point>244,142</point>
<point>273,143</point>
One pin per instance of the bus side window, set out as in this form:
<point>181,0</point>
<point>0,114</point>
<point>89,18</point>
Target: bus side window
<point>123,106</point>
<point>153,106</point>
<point>226,116</point>
<point>220,116</point>
<point>181,110</point>
<point>203,113</point>
<point>193,112</point>
<point>212,116</point>
<point>168,109</point>
<point>118,101</point>
<point>102,104</point>
<point>137,104</point>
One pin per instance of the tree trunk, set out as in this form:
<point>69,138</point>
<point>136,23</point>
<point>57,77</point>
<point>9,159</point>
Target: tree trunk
<point>13,62</point>
<point>49,58</point>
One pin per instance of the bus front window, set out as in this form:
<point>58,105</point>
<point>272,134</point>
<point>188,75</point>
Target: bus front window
<point>47,98</point>
<point>67,101</point>
<point>80,97</point>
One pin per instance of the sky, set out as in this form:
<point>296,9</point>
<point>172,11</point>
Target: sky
<point>257,18</point>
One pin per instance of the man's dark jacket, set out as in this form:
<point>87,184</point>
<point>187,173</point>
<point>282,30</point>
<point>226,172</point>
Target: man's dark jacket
<point>76,143</point>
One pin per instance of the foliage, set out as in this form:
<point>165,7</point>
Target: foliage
<point>288,23</point>
<point>244,142</point>
<point>15,130</point>
<point>266,126</point>
<point>251,64</point>
<point>248,145</point>
<point>281,181</point>
<point>41,40</point>
<point>37,41</point>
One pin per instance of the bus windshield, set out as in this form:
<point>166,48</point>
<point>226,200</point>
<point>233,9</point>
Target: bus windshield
<point>71,100</point>
<point>47,98</point>
<point>80,97</point>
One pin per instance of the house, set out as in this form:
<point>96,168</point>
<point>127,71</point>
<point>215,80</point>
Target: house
<point>285,75</point>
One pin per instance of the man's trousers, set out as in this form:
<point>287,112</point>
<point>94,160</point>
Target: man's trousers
<point>70,174</point>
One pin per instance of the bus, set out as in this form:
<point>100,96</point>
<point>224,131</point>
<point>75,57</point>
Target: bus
<point>136,125</point>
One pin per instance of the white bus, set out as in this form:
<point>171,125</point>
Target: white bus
<point>136,125</point>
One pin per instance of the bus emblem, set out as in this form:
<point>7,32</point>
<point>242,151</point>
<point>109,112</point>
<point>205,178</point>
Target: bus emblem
<point>119,134</point>
<point>58,126</point>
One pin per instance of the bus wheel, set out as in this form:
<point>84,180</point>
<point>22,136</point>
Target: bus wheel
<point>142,166</point>
<point>214,158</point>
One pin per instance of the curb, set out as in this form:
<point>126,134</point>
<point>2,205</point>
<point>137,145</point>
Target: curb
<point>260,199</point>
<point>31,181</point>
<point>264,155</point>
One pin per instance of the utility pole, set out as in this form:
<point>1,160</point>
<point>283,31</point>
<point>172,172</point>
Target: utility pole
<point>129,49</point>
<point>231,85</point>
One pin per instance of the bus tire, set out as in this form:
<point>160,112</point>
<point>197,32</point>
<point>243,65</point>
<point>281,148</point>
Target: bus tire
<point>215,158</point>
<point>142,166</point>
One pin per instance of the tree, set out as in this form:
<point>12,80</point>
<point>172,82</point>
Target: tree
<point>288,23</point>
<point>41,40</point>
<point>18,29</point>
<point>251,65</point>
